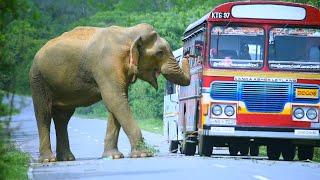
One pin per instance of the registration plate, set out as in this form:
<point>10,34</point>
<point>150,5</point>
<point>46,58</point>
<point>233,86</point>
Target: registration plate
<point>223,121</point>
<point>307,93</point>
<point>222,130</point>
<point>302,132</point>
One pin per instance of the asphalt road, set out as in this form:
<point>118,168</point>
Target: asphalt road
<point>86,140</point>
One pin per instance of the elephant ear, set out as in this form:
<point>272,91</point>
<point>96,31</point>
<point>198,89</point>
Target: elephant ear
<point>139,43</point>
<point>134,57</point>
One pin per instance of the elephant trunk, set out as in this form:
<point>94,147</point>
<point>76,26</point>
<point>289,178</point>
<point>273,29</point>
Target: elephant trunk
<point>172,72</point>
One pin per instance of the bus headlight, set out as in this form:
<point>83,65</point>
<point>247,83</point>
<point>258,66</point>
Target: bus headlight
<point>298,113</point>
<point>216,110</point>
<point>312,113</point>
<point>229,111</point>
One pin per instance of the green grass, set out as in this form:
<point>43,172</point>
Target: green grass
<point>316,156</point>
<point>98,111</point>
<point>13,163</point>
<point>151,125</point>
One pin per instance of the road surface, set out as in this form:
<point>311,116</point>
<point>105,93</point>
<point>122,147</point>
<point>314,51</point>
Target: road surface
<point>86,140</point>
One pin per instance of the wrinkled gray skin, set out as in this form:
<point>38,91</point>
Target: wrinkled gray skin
<point>88,64</point>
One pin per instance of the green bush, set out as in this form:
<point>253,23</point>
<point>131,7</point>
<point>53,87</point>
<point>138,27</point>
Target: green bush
<point>13,163</point>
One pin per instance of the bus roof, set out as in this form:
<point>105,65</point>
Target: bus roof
<point>262,12</point>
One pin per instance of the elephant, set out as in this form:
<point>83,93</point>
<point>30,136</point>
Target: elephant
<point>89,64</point>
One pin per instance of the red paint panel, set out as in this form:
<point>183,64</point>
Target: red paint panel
<point>269,120</point>
<point>308,81</point>
<point>207,80</point>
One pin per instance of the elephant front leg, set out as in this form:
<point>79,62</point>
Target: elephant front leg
<point>116,101</point>
<point>111,140</point>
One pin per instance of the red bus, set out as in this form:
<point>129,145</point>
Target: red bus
<point>255,79</point>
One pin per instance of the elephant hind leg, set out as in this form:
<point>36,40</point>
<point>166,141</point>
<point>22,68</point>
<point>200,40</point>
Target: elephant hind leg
<point>61,119</point>
<point>42,101</point>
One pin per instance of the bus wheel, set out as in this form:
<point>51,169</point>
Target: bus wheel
<point>173,148</point>
<point>273,152</point>
<point>305,152</point>
<point>233,149</point>
<point>289,152</point>
<point>205,146</point>
<point>254,150</point>
<point>244,150</point>
<point>189,148</point>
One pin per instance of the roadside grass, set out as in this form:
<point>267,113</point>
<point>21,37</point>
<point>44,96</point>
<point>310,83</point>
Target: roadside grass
<point>98,111</point>
<point>151,125</point>
<point>316,157</point>
<point>13,163</point>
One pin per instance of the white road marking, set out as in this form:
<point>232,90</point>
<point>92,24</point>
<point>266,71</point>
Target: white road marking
<point>76,130</point>
<point>260,177</point>
<point>220,165</point>
<point>96,140</point>
<point>89,136</point>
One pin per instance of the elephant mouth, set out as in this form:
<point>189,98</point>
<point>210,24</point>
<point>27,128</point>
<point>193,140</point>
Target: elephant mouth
<point>156,74</point>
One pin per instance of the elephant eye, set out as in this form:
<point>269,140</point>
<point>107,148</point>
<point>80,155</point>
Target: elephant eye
<point>159,54</point>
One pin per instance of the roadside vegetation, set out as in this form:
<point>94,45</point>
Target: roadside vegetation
<point>14,164</point>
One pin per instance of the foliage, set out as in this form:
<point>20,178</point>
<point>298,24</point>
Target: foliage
<point>141,145</point>
<point>13,163</point>
<point>97,110</point>
<point>151,125</point>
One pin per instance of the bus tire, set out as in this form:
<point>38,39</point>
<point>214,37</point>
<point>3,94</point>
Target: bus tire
<point>273,152</point>
<point>205,146</point>
<point>289,152</point>
<point>254,150</point>
<point>233,149</point>
<point>244,150</point>
<point>173,147</point>
<point>189,148</point>
<point>305,152</point>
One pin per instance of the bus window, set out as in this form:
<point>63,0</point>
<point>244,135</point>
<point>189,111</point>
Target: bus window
<point>294,49</point>
<point>198,48</point>
<point>195,47</point>
<point>236,47</point>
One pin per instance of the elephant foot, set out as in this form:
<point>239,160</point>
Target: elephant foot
<point>47,157</point>
<point>113,153</point>
<point>140,154</point>
<point>65,156</point>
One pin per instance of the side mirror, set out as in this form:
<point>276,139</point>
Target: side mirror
<point>169,87</point>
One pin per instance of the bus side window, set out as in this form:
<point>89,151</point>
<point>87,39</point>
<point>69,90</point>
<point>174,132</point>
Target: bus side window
<point>198,48</point>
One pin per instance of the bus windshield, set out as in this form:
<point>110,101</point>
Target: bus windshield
<point>296,49</point>
<point>236,47</point>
